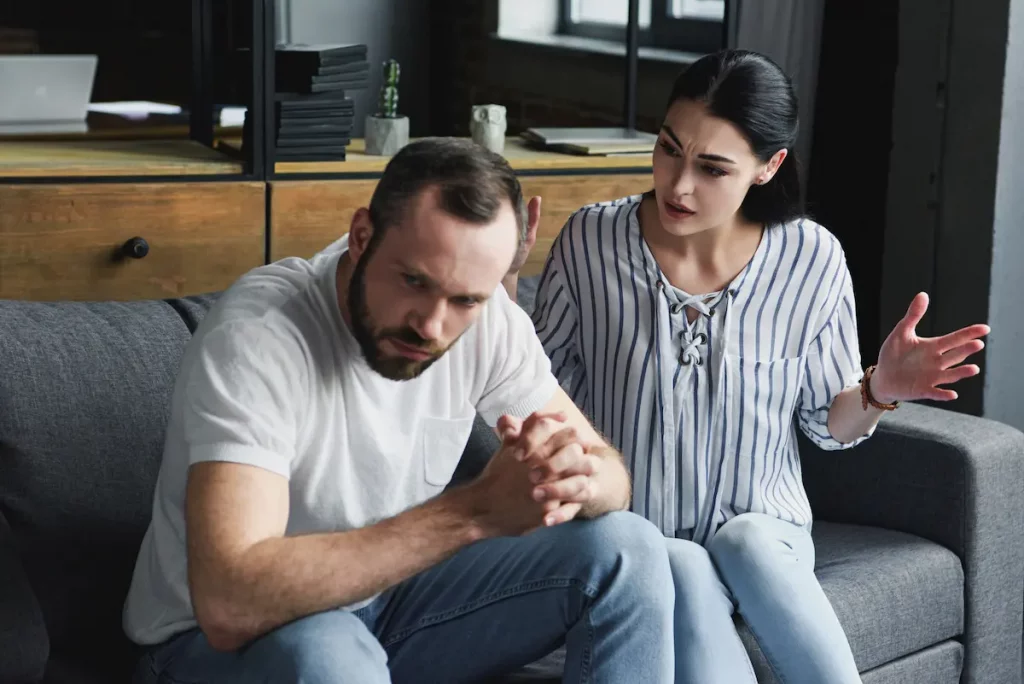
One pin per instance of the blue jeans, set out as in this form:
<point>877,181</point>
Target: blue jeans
<point>601,587</point>
<point>764,568</point>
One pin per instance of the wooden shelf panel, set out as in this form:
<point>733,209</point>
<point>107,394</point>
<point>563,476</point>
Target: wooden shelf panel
<point>521,157</point>
<point>306,216</point>
<point>112,158</point>
<point>62,241</point>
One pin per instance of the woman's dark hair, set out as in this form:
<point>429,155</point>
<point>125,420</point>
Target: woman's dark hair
<point>754,94</point>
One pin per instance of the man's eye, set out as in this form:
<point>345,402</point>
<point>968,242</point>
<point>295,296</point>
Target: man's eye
<point>466,302</point>
<point>412,281</point>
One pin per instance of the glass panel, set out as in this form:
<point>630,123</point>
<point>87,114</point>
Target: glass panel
<point>697,9</point>
<point>610,12</point>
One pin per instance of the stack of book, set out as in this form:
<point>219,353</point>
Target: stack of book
<point>313,110</point>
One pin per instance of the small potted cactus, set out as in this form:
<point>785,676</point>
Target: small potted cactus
<point>387,131</point>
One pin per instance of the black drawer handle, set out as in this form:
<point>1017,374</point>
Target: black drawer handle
<point>136,248</point>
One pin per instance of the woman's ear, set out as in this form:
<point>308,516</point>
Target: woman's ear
<point>771,168</point>
<point>360,233</point>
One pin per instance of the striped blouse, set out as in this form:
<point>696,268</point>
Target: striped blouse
<point>706,412</point>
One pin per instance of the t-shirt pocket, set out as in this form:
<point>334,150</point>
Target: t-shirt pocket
<point>442,442</point>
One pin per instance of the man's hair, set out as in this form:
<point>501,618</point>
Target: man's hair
<point>472,180</point>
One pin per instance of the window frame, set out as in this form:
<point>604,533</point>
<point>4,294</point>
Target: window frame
<point>701,36</point>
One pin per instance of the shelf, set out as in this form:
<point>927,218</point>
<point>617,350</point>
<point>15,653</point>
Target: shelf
<point>521,158</point>
<point>76,159</point>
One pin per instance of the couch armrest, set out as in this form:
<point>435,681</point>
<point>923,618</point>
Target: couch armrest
<point>24,643</point>
<point>954,479</point>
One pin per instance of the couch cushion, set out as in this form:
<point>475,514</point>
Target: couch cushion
<point>194,308</point>
<point>895,594</point>
<point>24,646</point>
<point>84,398</point>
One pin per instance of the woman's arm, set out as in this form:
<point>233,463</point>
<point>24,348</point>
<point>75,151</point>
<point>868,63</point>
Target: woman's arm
<point>909,368</point>
<point>848,421</point>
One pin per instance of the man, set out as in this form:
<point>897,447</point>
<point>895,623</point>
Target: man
<point>301,529</point>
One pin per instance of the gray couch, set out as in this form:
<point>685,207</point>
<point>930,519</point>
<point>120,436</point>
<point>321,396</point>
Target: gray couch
<point>920,531</point>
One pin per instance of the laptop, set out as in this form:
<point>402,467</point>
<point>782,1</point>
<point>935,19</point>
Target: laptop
<point>45,91</point>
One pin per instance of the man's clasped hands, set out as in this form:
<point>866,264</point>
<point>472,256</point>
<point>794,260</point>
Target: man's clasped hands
<point>544,472</point>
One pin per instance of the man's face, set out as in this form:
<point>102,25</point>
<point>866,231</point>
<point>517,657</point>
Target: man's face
<point>416,290</point>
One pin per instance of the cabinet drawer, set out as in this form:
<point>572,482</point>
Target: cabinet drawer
<point>563,195</point>
<point>71,242</point>
<point>306,216</point>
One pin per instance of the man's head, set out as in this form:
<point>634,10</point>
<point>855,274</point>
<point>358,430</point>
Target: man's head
<point>441,231</point>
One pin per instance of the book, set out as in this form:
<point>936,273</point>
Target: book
<point>303,83</point>
<point>335,126</point>
<point>284,152</point>
<point>310,100</point>
<point>308,58</point>
<point>309,87</point>
<point>351,67</point>
<point>328,142</point>
<point>330,157</point>
<point>327,72</point>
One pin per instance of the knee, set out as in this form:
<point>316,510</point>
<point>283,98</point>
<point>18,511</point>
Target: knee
<point>744,543</point>
<point>333,646</point>
<point>691,565</point>
<point>624,543</point>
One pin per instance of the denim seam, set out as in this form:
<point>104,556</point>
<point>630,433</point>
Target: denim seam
<point>508,592</point>
<point>586,656</point>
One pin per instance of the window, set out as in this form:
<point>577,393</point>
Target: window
<point>685,25</point>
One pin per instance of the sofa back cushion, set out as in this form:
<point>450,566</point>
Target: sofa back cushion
<point>84,398</point>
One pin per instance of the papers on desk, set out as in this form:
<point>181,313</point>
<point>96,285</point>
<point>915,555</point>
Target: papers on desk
<point>591,141</point>
<point>134,109</point>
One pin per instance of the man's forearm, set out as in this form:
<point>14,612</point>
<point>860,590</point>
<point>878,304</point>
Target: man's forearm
<point>614,490</point>
<point>281,579</point>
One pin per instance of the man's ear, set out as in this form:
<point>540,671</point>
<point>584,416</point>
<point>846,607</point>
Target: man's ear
<point>360,233</point>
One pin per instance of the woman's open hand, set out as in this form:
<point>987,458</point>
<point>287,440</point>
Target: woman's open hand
<point>912,367</point>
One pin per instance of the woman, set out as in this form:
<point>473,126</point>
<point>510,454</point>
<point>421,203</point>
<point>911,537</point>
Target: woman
<point>699,325</point>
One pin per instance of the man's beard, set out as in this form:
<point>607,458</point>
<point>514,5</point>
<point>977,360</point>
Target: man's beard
<point>363,329</point>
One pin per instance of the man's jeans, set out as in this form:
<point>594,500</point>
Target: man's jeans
<point>602,587</point>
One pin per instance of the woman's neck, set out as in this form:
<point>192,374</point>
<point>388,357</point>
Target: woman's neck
<point>704,262</point>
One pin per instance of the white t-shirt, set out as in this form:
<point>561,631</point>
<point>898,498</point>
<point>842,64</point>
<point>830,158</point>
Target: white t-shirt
<point>274,378</point>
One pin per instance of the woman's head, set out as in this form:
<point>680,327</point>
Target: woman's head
<point>726,145</point>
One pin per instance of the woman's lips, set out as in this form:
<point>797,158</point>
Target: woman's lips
<point>678,211</point>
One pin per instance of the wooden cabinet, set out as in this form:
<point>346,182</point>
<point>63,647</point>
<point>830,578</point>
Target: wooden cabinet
<point>306,216</point>
<point>563,195</point>
<point>122,220</point>
<point>74,241</point>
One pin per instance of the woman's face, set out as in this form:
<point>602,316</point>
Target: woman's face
<point>703,167</point>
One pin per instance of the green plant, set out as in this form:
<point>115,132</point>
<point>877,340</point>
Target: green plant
<point>388,106</point>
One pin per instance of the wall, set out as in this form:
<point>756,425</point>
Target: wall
<point>955,212</point>
<point>539,85</point>
<point>396,29</point>
<point>847,173</point>
<point>1004,389</point>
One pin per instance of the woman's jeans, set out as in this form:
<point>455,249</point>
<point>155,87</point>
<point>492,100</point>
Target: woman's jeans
<point>762,567</point>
